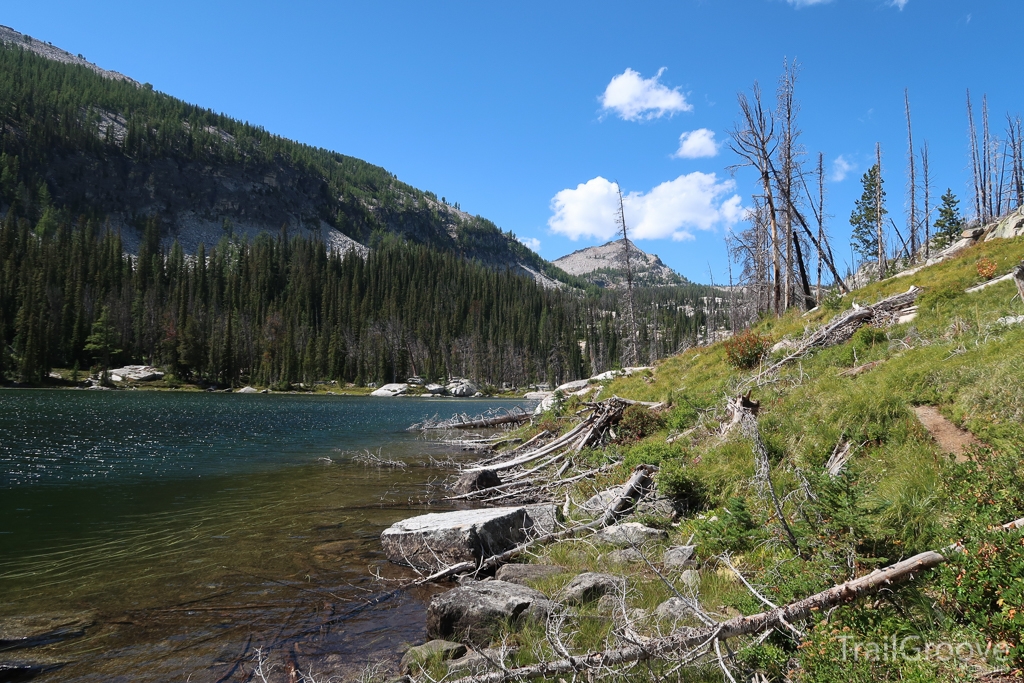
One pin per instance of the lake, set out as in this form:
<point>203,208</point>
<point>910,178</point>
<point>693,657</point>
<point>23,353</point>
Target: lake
<point>194,528</point>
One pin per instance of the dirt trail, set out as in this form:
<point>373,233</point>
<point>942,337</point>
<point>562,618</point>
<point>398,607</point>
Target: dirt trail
<point>950,438</point>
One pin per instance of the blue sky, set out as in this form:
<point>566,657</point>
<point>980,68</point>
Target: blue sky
<point>526,112</point>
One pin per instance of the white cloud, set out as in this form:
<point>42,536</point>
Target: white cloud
<point>634,97</point>
<point>808,3</point>
<point>696,201</point>
<point>697,144</point>
<point>841,168</point>
<point>900,3</point>
<point>531,242</point>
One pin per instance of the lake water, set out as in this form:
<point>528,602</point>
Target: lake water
<point>195,528</point>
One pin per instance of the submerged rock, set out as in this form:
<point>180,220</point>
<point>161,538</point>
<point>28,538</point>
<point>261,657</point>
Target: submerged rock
<point>476,612</point>
<point>446,538</point>
<point>42,629</point>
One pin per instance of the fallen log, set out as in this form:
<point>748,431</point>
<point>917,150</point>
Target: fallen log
<point>688,639</point>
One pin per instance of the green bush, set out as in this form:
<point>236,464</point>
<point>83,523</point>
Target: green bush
<point>637,422</point>
<point>746,349</point>
<point>734,530</point>
<point>651,453</point>
<point>683,485</point>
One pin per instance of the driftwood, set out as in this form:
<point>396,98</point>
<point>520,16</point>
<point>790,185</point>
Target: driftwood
<point>488,419</point>
<point>842,328</point>
<point>700,640</point>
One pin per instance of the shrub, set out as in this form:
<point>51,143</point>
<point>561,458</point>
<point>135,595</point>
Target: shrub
<point>651,453</point>
<point>683,485</point>
<point>637,422</point>
<point>745,350</point>
<point>986,268</point>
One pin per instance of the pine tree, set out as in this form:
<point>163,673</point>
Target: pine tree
<point>863,219</point>
<point>950,223</point>
<point>102,343</point>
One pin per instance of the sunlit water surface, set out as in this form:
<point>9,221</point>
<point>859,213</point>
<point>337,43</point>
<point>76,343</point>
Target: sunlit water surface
<point>196,528</point>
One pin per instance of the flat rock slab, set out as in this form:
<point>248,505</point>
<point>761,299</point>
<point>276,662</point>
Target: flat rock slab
<point>590,586</point>
<point>42,629</point>
<point>628,534</point>
<point>524,573</point>
<point>445,538</point>
<point>476,612</point>
<point>950,438</point>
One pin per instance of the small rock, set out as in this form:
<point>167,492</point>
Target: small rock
<point>680,557</point>
<point>480,661</point>
<point>657,507</point>
<point>972,233</point>
<point>673,609</point>
<point>476,612</point>
<point>628,534</point>
<point>785,345</point>
<point>608,603</point>
<point>588,587</point>
<point>475,481</point>
<point>1011,320</point>
<point>525,573</point>
<point>690,578</point>
<point>624,556</point>
<point>414,657</point>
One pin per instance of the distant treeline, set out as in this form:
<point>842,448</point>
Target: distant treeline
<point>280,310</point>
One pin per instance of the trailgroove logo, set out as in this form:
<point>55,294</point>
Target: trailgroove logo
<point>916,649</point>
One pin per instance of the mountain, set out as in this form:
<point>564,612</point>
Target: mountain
<point>605,266</point>
<point>87,141</point>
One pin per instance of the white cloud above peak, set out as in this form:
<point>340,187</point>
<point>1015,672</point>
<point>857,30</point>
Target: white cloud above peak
<point>633,97</point>
<point>697,144</point>
<point>673,209</point>
<point>531,243</point>
<point>841,168</point>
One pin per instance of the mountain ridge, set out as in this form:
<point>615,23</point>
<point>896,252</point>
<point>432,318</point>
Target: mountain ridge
<point>604,266</point>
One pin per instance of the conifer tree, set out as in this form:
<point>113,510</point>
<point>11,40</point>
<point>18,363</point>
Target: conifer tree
<point>864,219</point>
<point>950,223</point>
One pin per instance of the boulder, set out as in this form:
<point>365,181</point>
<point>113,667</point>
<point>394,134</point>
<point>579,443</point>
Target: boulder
<point>1010,227</point>
<point>544,518</point>
<point>136,373</point>
<point>475,481</point>
<point>536,395</point>
<point>599,502</point>
<point>247,390</point>
<point>415,379</point>
<point>570,387</point>
<point>657,507</point>
<point>390,390</point>
<point>588,587</point>
<point>446,538</point>
<point>462,388</point>
<point>545,405</point>
<point>680,557</point>
<point>785,345</point>
<point>628,534</point>
<point>476,612</point>
<point>414,657</point>
<point>436,390</point>
<point>525,573</point>
<point>690,578</point>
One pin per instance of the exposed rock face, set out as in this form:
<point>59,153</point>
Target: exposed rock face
<point>680,557</point>
<point>1010,227</point>
<point>525,573</point>
<point>589,586</point>
<point>605,266</point>
<point>475,612</point>
<point>390,390</point>
<point>446,538</point>
<point>415,656</point>
<point>136,373</point>
<point>628,534</point>
<point>475,481</point>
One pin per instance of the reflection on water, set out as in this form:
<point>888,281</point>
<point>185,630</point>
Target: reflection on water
<point>195,528</point>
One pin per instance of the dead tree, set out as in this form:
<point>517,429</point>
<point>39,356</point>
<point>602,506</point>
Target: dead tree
<point>1013,136</point>
<point>878,212</point>
<point>911,181</point>
<point>632,348</point>
<point>977,171</point>
<point>754,141</point>
<point>926,180</point>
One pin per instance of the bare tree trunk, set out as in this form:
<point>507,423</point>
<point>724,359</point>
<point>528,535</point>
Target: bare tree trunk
<point>878,212</point>
<point>911,181</point>
<point>821,221</point>
<point>632,351</point>
<point>1016,154</point>
<point>976,168</point>
<point>986,161</point>
<point>927,202</point>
